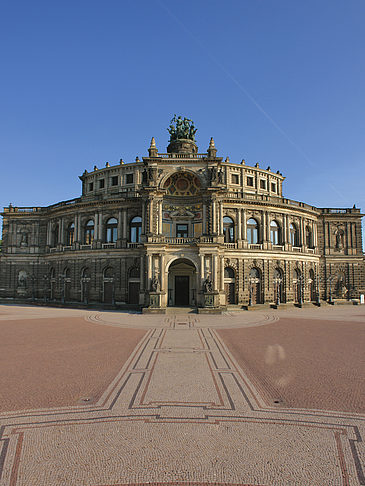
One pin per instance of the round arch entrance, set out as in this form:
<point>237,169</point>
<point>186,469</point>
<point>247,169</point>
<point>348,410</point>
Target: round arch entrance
<point>182,283</point>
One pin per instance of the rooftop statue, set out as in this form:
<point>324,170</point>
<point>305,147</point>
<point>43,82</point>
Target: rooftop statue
<point>183,129</point>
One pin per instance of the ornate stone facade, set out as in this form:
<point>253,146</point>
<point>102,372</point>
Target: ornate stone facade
<point>181,228</point>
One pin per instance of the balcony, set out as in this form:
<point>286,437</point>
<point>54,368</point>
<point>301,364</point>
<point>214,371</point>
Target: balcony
<point>108,246</point>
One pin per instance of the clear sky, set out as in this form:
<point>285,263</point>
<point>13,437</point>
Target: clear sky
<point>279,82</point>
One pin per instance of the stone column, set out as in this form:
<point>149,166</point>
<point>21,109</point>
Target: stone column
<point>79,229</point>
<point>239,225</point>
<point>204,229</point>
<point>119,225</point>
<point>302,241</point>
<point>222,274</point>
<point>48,234</point>
<point>96,226</point>
<point>124,224</point>
<point>221,218</point>
<point>215,272</point>
<point>162,273</point>
<point>100,236</point>
<point>141,273</point>
<point>202,268</point>
<point>214,217</point>
<point>62,232</point>
<point>160,218</point>
<point>149,270</point>
<point>150,219</point>
<point>244,226</point>
<point>264,228</point>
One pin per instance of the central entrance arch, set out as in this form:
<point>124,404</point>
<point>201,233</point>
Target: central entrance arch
<point>182,283</point>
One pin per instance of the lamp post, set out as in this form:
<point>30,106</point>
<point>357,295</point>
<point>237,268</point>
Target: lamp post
<point>330,279</point>
<point>62,278</point>
<point>32,278</point>
<point>46,280</point>
<point>300,283</point>
<point>277,282</point>
<point>85,289</point>
<point>317,290</point>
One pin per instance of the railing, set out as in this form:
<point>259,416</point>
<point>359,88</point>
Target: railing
<point>85,247</point>
<point>53,249</point>
<point>133,245</point>
<point>310,250</point>
<point>206,239</point>
<point>298,249</point>
<point>179,241</point>
<point>255,246</point>
<point>231,246</point>
<point>182,156</point>
<point>67,248</point>
<point>278,247</point>
<point>108,245</point>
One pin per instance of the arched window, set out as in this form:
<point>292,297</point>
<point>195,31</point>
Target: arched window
<point>70,234</point>
<point>252,231</point>
<point>274,233</point>
<point>89,232</point>
<point>111,230</point>
<point>308,237</point>
<point>109,272</point>
<point>228,229</point>
<point>293,234</point>
<point>55,235</point>
<point>228,272</point>
<point>135,229</point>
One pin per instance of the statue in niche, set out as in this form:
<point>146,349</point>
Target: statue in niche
<point>22,280</point>
<point>24,239</point>
<point>155,284</point>
<point>207,285</point>
<point>339,239</point>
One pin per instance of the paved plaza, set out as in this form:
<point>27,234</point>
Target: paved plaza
<point>264,398</point>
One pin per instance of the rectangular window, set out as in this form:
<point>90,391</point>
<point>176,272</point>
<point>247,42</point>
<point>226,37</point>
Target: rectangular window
<point>114,180</point>
<point>273,187</point>
<point>250,181</point>
<point>262,184</point>
<point>101,184</point>
<point>235,179</point>
<point>91,186</point>
<point>182,230</point>
<point>129,178</point>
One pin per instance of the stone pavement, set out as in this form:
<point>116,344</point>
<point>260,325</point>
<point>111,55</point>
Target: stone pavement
<point>181,411</point>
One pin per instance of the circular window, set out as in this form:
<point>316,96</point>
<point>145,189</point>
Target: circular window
<point>182,184</point>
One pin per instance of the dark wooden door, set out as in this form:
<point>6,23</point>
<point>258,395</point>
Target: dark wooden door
<point>134,292</point>
<point>108,292</point>
<point>230,294</point>
<point>256,297</point>
<point>181,290</point>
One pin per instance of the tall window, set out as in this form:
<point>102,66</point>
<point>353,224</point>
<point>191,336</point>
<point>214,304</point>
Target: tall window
<point>135,229</point>
<point>111,231</point>
<point>293,235</point>
<point>89,232</point>
<point>252,231</point>
<point>274,233</point>
<point>70,234</point>
<point>228,229</point>
<point>182,230</point>
<point>308,237</point>
<point>55,235</point>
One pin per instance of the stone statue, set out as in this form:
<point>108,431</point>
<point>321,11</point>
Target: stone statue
<point>183,129</point>
<point>24,239</point>
<point>207,285</point>
<point>339,240</point>
<point>155,284</point>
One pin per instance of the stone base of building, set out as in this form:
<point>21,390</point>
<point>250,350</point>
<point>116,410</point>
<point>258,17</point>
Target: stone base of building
<point>153,310</point>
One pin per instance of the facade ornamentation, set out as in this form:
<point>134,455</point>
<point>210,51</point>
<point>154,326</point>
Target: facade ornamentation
<point>181,228</point>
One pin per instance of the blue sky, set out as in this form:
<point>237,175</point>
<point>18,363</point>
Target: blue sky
<point>279,82</point>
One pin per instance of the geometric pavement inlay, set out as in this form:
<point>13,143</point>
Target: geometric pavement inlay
<point>181,411</point>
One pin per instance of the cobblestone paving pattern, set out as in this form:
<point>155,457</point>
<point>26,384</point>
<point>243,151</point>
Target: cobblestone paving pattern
<point>182,411</point>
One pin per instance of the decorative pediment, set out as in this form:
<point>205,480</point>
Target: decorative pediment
<point>181,213</point>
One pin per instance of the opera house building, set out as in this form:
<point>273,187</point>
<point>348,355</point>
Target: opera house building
<point>181,228</point>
